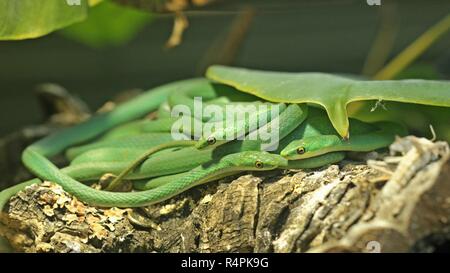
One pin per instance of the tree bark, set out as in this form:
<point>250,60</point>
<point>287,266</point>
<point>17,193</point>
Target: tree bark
<point>395,202</point>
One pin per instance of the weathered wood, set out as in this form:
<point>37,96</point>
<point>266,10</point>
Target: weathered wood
<point>389,205</point>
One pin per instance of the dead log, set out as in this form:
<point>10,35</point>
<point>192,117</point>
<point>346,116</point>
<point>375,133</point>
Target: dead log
<point>394,202</point>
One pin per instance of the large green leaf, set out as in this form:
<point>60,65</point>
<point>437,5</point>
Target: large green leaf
<point>332,92</point>
<point>23,19</point>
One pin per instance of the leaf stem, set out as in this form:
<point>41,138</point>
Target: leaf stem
<point>414,50</point>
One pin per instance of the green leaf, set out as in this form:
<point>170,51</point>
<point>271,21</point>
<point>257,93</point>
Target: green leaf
<point>332,92</point>
<point>94,2</point>
<point>108,24</point>
<point>24,19</point>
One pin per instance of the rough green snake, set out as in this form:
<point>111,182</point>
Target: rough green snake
<point>35,156</point>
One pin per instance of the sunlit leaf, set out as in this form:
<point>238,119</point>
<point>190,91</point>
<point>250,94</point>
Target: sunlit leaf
<point>23,19</point>
<point>108,24</point>
<point>94,2</point>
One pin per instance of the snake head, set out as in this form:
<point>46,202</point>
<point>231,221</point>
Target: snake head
<point>211,140</point>
<point>206,142</point>
<point>310,147</point>
<point>255,161</point>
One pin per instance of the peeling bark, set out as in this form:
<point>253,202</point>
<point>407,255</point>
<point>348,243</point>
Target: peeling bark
<point>396,203</point>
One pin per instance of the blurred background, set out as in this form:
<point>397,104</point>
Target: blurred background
<point>115,51</point>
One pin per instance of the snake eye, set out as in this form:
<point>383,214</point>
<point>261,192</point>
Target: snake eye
<point>301,150</point>
<point>211,140</point>
<point>259,164</point>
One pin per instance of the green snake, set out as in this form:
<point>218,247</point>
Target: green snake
<point>309,163</point>
<point>229,164</point>
<point>213,163</point>
<point>364,137</point>
<point>291,116</point>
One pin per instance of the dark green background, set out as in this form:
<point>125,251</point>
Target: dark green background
<point>329,36</point>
